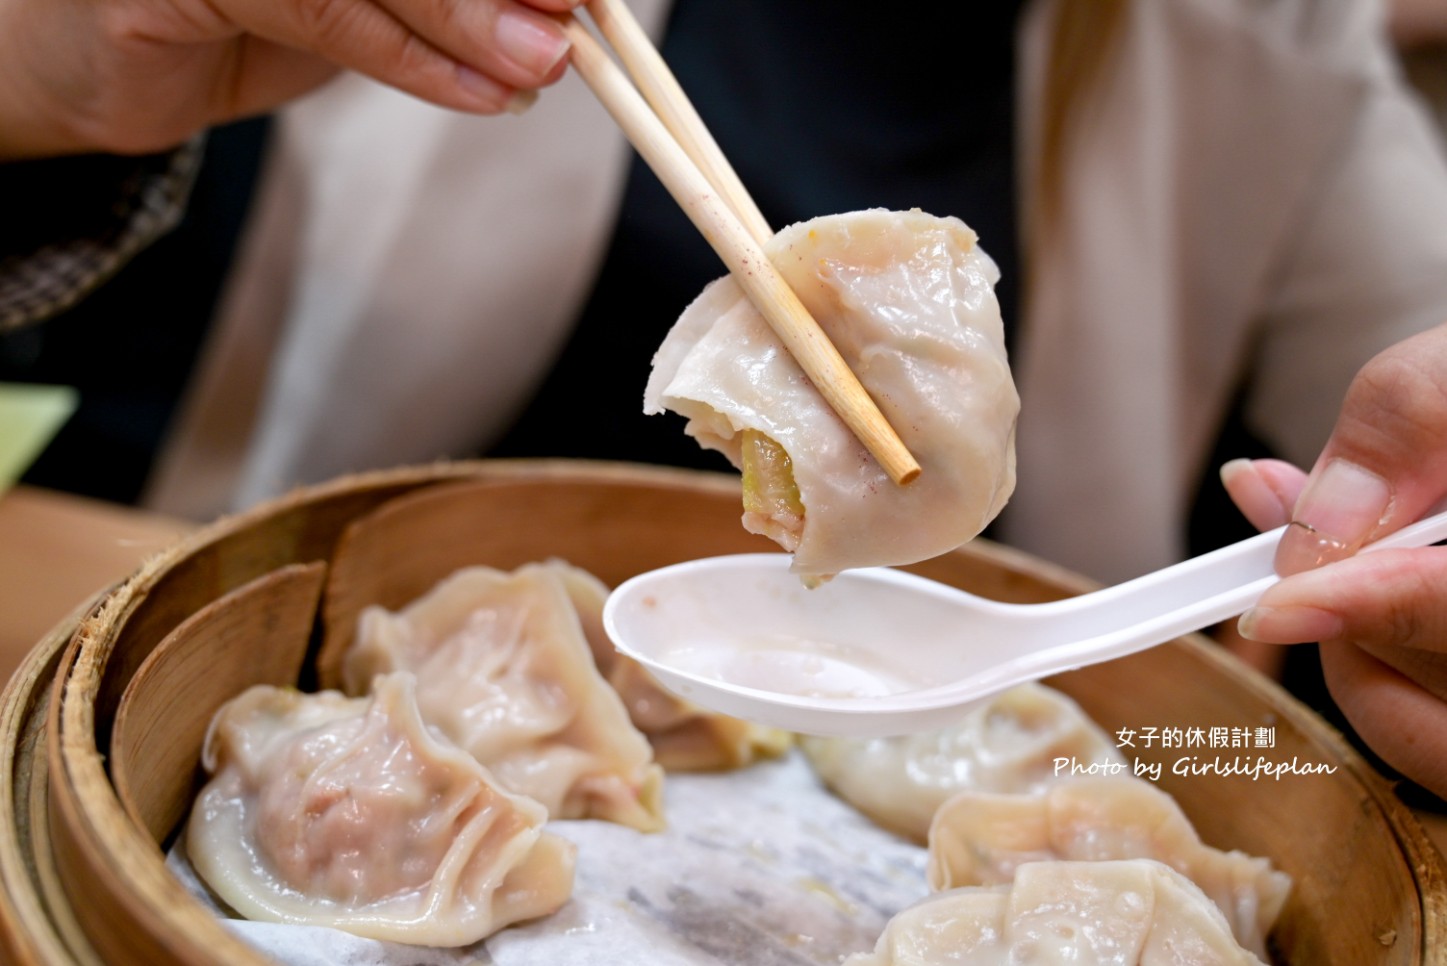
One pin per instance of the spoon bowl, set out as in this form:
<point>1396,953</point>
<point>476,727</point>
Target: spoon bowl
<point>877,651</point>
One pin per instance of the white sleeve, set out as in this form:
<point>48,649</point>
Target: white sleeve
<point>1367,263</point>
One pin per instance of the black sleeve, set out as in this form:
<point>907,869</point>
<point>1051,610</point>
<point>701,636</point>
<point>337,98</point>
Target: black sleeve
<point>70,223</point>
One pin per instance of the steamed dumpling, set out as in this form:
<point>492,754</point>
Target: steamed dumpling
<point>1011,743</point>
<point>909,301</point>
<point>684,736</point>
<point>1128,913</point>
<point>980,839</point>
<point>348,812</point>
<point>504,671</point>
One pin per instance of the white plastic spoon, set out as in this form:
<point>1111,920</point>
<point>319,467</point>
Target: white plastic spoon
<point>878,651</point>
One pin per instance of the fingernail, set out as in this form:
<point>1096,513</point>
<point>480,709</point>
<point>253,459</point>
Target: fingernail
<point>1253,495</point>
<point>1339,509</point>
<point>1232,470</point>
<point>1289,625</point>
<point>533,43</point>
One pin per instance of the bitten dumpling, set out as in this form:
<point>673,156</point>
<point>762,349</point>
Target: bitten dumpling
<point>684,736</point>
<point>980,839</point>
<point>1129,913</point>
<point>348,812</point>
<point>908,299</point>
<point>1012,743</point>
<point>504,671</point>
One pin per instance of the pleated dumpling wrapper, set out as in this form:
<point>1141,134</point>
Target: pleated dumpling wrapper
<point>980,838</point>
<point>349,812</point>
<point>504,670</point>
<point>684,736</point>
<point>1014,742</point>
<point>1127,913</point>
<point>908,299</point>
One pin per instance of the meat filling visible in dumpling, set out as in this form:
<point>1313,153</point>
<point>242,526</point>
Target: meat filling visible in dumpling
<point>348,812</point>
<point>908,299</point>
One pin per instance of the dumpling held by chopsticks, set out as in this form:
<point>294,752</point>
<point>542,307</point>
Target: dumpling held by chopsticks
<point>908,299</point>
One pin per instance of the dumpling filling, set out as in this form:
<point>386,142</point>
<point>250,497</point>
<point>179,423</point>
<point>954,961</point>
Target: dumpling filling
<point>772,506</point>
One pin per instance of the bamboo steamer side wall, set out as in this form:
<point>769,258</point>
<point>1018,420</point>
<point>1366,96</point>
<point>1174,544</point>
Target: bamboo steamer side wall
<point>1369,886</point>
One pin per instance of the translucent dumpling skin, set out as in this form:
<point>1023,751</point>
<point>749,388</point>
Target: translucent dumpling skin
<point>981,838</point>
<point>908,299</point>
<point>1010,743</point>
<point>684,736</point>
<point>349,812</point>
<point>504,670</point>
<point>1129,913</point>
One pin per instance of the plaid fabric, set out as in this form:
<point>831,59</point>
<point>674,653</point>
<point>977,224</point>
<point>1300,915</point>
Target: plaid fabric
<point>68,224</point>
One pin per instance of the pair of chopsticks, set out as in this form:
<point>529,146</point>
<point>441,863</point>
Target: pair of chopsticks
<point>678,147</point>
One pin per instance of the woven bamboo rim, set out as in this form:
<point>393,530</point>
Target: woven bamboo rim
<point>36,923</point>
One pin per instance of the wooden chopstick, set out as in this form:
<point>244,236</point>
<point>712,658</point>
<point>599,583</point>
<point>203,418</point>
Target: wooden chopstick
<point>655,81</point>
<point>710,211</point>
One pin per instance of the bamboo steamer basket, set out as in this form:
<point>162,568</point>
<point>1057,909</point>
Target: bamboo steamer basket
<point>103,723</point>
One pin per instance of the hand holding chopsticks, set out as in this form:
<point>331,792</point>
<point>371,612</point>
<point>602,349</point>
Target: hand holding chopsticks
<point>679,149</point>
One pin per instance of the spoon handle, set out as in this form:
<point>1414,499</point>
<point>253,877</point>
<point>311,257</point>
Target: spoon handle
<point>1185,597</point>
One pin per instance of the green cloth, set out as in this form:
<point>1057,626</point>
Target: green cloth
<point>29,416</point>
